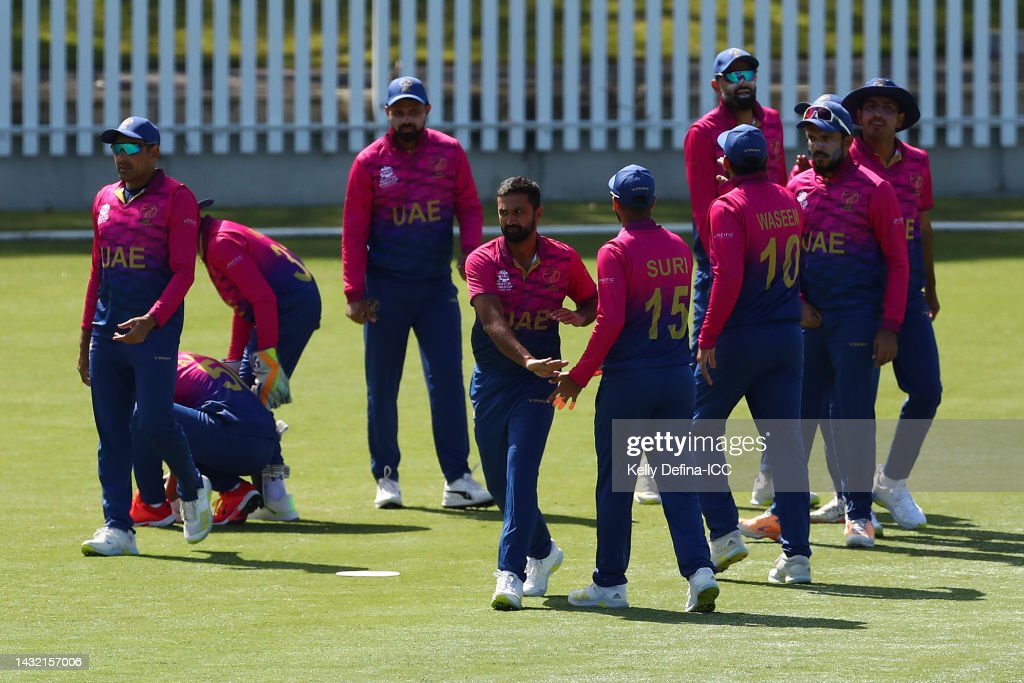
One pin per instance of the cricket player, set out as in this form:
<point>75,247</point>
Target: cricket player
<point>854,278</point>
<point>231,434</point>
<point>404,193</point>
<point>275,299</point>
<point>750,346</point>
<point>639,342</point>
<point>517,284</point>
<point>882,109</point>
<point>143,263</point>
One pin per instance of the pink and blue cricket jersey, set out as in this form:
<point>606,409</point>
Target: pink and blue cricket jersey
<point>143,254</point>
<point>855,248</point>
<point>644,276</point>
<point>400,207</point>
<point>754,248</point>
<point>910,174</point>
<point>527,297</point>
<point>254,275</point>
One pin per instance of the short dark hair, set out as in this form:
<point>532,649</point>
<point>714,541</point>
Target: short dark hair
<point>521,185</point>
<point>748,168</point>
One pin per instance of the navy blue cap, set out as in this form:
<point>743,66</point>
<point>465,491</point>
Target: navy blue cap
<point>745,146</point>
<point>134,127</point>
<point>633,186</point>
<point>884,87</point>
<point>406,86</point>
<point>829,116</point>
<point>726,57</point>
<point>801,107</point>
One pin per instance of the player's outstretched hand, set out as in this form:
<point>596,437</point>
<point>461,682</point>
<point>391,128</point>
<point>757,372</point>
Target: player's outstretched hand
<point>885,347</point>
<point>566,393</point>
<point>545,367</point>
<point>567,317</point>
<point>271,384</point>
<point>136,330</point>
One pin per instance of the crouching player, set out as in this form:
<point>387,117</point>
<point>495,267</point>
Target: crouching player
<point>231,435</point>
<point>275,299</point>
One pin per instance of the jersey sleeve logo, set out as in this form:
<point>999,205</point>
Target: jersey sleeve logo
<point>387,177</point>
<point>104,214</point>
<point>504,281</point>
<point>801,198</point>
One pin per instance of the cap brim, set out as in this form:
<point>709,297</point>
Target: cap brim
<point>801,107</point>
<point>827,126</point>
<point>406,97</point>
<point>111,135</point>
<point>205,203</point>
<point>903,99</point>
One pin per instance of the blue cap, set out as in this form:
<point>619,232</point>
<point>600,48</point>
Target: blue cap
<point>884,87</point>
<point>745,147</point>
<point>406,86</point>
<point>633,186</point>
<point>134,127</point>
<point>801,107</point>
<point>829,116</point>
<point>726,57</point>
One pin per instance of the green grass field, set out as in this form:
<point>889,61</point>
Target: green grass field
<point>263,602</point>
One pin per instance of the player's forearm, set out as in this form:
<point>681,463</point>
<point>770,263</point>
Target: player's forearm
<point>928,250</point>
<point>505,340</point>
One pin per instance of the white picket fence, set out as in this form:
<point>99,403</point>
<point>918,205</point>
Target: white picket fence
<point>481,86</point>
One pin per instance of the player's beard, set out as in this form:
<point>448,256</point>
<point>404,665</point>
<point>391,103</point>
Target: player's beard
<point>830,163</point>
<point>741,99</point>
<point>408,133</point>
<point>518,233</point>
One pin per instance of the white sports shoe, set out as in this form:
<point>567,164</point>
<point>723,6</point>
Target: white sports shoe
<point>879,530</point>
<point>646,491</point>
<point>108,542</point>
<point>796,569</point>
<point>895,497</point>
<point>197,514</point>
<point>703,591</point>
<point>282,510</point>
<point>831,512</point>
<point>728,550</point>
<point>763,492</point>
<point>539,571</point>
<point>389,493</point>
<point>466,492</point>
<point>611,597</point>
<point>508,592</point>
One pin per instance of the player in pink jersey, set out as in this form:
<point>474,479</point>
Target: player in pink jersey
<point>882,109</point>
<point>405,191</point>
<point>639,342</point>
<point>143,263</point>
<point>518,284</point>
<point>853,278</point>
<point>275,299</point>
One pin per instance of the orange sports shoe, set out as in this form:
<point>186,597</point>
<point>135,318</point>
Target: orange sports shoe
<point>763,526</point>
<point>860,533</point>
<point>234,506</point>
<point>144,514</point>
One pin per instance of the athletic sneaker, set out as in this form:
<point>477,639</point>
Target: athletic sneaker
<point>765,525</point>
<point>763,492</point>
<point>832,512</point>
<point>796,569</point>
<point>646,490</point>
<point>232,507</point>
<point>860,533</point>
<point>508,592</point>
<point>703,591</point>
<point>610,597</point>
<point>198,514</point>
<point>466,492</point>
<point>144,514</point>
<point>879,529</point>
<point>108,542</point>
<point>282,510</point>
<point>894,496</point>
<point>727,550</point>
<point>539,571</point>
<point>389,494</point>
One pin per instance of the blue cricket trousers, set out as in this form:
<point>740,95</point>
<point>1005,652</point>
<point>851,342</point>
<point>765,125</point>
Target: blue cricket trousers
<point>662,393</point>
<point>298,317</point>
<point>511,421</point>
<point>839,386</point>
<point>132,402</point>
<point>430,308</point>
<point>763,363</point>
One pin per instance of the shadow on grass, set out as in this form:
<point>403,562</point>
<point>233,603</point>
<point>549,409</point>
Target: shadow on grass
<point>312,526</point>
<point>493,514</point>
<point>230,558</point>
<point>874,592</point>
<point>664,616</point>
<point>974,545</point>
